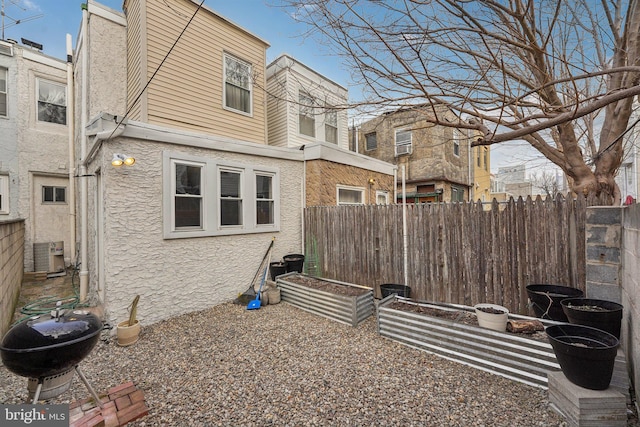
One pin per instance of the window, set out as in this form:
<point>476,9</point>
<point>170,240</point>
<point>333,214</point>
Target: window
<point>331,127</point>
<point>231,198</point>
<point>456,143</point>
<point>264,199</point>
<point>52,102</point>
<point>214,197</point>
<point>350,196</point>
<point>187,197</point>
<point>403,141</point>
<point>478,152</point>
<point>371,141</point>
<point>382,197</point>
<point>306,115</point>
<point>457,194</point>
<point>486,158</point>
<point>3,92</point>
<point>237,84</point>
<point>54,194</point>
<point>4,194</point>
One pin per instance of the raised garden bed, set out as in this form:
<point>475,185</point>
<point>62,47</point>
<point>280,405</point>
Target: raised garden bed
<point>453,332</point>
<point>343,302</point>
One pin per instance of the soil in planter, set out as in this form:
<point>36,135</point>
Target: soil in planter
<point>323,285</point>
<point>490,310</point>
<point>464,317</point>
<point>593,308</point>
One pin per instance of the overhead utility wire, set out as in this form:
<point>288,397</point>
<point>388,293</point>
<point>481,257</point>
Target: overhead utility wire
<point>156,71</point>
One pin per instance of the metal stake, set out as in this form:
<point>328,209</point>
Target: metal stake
<point>91,390</point>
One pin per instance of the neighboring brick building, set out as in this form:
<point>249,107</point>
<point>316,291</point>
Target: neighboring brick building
<point>436,158</point>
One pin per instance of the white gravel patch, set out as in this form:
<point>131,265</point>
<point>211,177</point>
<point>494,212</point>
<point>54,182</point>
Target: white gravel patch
<point>282,366</point>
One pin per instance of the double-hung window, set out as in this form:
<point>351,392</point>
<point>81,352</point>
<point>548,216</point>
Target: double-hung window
<point>213,197</point>
<point>331,127</point>
<point>52,102</point>
<point>188,206</point>
<point>403,141</point>
<point>306,115</point>
<point>371,141</point>
<point>3,92</point>
<point>456,143</point>
<point>230,197</point>
<point>237,84</point>
<point>4,194</point>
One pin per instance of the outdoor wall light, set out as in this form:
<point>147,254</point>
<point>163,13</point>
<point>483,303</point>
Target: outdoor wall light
<point>372,181</point>
<point>122,159</point>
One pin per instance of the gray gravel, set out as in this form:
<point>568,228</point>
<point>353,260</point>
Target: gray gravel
<point>282,366</point>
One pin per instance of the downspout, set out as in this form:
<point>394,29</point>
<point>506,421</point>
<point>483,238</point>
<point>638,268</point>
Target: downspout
<point>84,268</point>
<point>405,243</point>
<point>72,161</point>
<point>472,187</point>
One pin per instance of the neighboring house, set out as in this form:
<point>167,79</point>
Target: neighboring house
<point>435,159</point>
<point>303,106</point>
<point>628,178</point>
<point>186,225</point>
<point>514,179</point>
<point>34,154</point>
<point>481,158</point>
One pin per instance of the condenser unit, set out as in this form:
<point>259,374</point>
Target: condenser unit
<point>49,257</point>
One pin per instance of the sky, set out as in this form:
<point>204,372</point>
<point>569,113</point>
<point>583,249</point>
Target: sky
<point>48,21</point>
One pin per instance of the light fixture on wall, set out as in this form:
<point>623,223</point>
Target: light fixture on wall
<point>122,159</point>
<point>372,181</point>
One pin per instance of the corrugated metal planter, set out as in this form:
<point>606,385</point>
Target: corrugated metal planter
<point>512,356</point>
<point>349,309</point>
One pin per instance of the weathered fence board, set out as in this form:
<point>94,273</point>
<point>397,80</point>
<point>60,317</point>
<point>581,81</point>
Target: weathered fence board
<point>458,253</point>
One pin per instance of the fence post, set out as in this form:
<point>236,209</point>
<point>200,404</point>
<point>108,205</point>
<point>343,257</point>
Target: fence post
<point>603,248</point>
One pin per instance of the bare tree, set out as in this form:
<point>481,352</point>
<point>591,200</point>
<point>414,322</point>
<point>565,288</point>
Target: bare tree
<point>554,73</point>
<point>547,181</point>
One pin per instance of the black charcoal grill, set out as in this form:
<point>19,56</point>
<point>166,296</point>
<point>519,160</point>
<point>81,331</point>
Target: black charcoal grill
<point>50,345</point>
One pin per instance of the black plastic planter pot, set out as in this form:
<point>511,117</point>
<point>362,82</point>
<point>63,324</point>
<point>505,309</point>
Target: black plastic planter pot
<point>597,313</point>
<point>586,355</point>
<point>546,299</point>
<point>295,262</point>
<point>391,288</point>
<point>277,269</point>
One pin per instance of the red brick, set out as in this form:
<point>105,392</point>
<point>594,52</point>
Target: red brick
<point>121,387</point>
<point>96,422</point>
<point>86,419</point>
<point>108,405</point>
<point>122,392</point>
<point>111,420</point>
<point>137,396</point>
<point>123,403</point>
<point>133,412</point>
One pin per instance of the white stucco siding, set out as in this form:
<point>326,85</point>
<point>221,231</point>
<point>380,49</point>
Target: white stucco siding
<point>176,276</point>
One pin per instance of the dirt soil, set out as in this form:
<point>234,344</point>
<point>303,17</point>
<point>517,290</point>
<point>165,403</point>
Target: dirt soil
<point>323,285</point>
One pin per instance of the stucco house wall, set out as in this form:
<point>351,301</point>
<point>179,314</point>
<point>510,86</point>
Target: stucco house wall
<point>177,275</point>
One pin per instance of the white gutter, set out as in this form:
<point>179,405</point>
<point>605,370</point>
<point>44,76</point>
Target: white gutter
<point>72,161</point>
<point>405,243</point>
<point>84,194</point>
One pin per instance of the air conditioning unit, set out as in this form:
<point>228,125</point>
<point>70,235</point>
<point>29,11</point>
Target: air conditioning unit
<point>49,257</point>
<point>403,149</point>
<point>6,48</point>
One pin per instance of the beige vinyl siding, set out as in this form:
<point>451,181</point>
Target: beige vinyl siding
<point>135,76</point>
<point>187,92</point>
<point>277,106</point>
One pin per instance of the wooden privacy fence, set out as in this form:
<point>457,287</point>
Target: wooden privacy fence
<point>456,253</point>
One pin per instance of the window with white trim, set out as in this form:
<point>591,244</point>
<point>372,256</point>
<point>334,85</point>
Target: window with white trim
<point>230,191</point>
<point>3,92</point>
<point>237,84</point>
<point>456,143</point>
<point>51,102</point>
<point>4,194</point>
<point>331,127</point>
<point>211,197</point>
<point>306,115</point>
<point>350,196</point>
<point>382,197</point>
<point>187,198</point>
<point>52,194</point>
<point>264,199</point>
<point>403,141</point>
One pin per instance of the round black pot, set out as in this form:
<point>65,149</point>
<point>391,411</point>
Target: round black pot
<point>277,269</point>
<point>608,318</point>
<point>586,355</point>
<point>294,262</point>
<point>545,300</point>
<point>392,288</point>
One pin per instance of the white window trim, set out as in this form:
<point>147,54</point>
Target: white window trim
<point>273,177</point>
<point>172,201</point>
<point>66,102</point>
<point>226,55</point>
<point>313,116</point>
<point>382,193</point>
<point>456,142</point>
<point>346,187</point>
<point>242,198</point>
<point>210,193</point>
<point>6,90</point>
<point>395,141</point>
<point>4,191</point>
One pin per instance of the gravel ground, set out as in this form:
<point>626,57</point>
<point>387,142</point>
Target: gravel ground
<point>282,366</point>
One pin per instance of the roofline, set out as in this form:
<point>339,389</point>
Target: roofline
<point>286,55</point>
